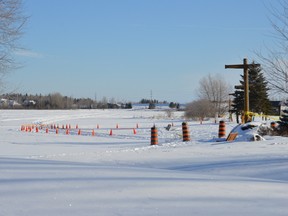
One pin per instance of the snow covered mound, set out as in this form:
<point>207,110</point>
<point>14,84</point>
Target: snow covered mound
<point>249,131</point>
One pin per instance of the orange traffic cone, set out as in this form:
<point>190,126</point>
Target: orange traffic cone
<point>93,132</point>
<point>111,133</point>
<point>79,132</point>
<point>134,131</point>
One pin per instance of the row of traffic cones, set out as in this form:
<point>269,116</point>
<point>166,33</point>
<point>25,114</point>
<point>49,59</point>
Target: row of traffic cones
<point>28,128</point>
<point>54,126</point>
<point>111,131</point>
<point>67,131</point>
<point>68,126</point>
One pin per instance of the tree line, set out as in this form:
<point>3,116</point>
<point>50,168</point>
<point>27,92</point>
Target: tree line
<point>152,103</point>
<point>57,101</point>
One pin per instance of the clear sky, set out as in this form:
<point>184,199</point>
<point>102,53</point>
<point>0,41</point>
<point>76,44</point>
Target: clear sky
<point>124,49</point>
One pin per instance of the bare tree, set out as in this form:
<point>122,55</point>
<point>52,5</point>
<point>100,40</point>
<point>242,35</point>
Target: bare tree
<point>12,21</point>
<point>56,101</point>
<point>199,109</point>
<point>170,113</point>
<point>216,90</point>
<point>275,63</point>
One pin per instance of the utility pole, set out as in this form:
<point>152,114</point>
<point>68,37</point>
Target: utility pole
<point>245,66</point>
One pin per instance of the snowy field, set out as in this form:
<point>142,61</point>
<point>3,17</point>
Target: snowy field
<point>118,172</point>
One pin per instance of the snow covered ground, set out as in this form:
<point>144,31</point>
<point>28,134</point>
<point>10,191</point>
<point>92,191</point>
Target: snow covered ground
<point>122,174</point>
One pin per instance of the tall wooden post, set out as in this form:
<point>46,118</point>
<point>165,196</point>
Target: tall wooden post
<point>246,89</point>
<point>245,66</point>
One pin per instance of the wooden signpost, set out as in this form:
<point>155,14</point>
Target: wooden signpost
<point>245,66</point>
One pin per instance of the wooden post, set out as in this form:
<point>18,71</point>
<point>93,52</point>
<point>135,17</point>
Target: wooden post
<point>245,66</point>
<point>246,90</point>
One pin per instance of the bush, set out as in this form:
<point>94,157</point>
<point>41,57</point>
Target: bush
<point>199,109</point>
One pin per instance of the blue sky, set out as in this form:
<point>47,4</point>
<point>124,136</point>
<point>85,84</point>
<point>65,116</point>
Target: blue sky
<point>124,49</point>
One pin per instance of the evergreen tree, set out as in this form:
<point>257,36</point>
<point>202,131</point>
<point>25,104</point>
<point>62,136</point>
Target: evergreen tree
<point>238,103</point>
<point>128,105</point>
<point>258,94</point>
<point>172,105</point>
<point>258,91</point>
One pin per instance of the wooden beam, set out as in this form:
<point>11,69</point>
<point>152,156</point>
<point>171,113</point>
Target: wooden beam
<point>242,66</point>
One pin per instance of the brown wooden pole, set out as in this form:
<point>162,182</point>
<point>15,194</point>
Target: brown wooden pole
<point>246,90</point>
<point>245,66</point>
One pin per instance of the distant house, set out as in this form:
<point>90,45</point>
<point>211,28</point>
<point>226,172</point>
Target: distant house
<point>113,106</point>
<point>283,106</point>
<point>29,103</point>
<point>277,107</point>
<point>5,103</point>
